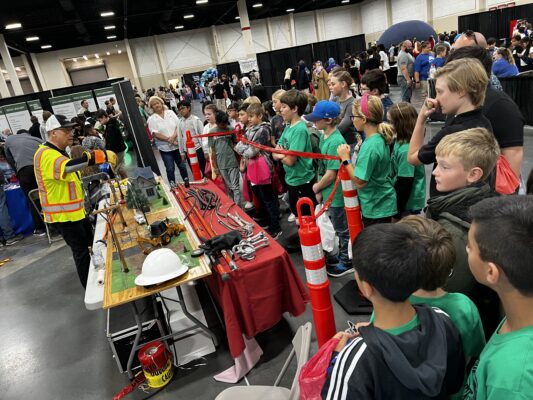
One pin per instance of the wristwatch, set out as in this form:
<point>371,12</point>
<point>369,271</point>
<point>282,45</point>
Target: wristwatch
<point>346,162</point>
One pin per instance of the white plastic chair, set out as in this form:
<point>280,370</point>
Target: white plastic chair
<point>301,344</point>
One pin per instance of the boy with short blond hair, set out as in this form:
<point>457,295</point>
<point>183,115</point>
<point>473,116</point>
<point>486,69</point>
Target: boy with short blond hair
<point>500,255</point>
<point>464,162</point>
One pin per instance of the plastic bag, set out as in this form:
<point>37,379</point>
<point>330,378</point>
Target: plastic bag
<point>327,233</point>
<point>506,180</point>
<point>314,372</point>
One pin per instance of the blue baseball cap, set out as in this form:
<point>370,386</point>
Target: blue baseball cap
<point>324,109</point>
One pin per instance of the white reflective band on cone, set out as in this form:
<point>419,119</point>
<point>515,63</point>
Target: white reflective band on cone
<point>347,185</point>
<point>351,202</point>
<point>312,253</point>
<point>191,151</point>
<point>316,276</point>
<point>193,160</point>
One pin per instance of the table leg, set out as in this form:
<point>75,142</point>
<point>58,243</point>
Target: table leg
<point>193,318</point>
<point>137,317</point>
<point>214,306</point>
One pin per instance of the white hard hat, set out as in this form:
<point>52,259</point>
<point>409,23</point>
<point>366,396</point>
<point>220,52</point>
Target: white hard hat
<point>159,266</point>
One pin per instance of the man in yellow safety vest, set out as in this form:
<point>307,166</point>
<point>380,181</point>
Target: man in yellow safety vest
<point>61,191</point>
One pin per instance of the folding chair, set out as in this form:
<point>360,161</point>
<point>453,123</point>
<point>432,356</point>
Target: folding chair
<point>301,344</point>
<point>33,195</point>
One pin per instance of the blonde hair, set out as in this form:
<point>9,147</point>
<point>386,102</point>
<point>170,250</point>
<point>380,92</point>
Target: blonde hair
<point>402,116</point>
<point>156,98</point>
<point>342,76</point>
<point>278,93</point>
<point>475,147</point>
<point>468,75</point>
<point>506,54</point>
<point>375,116</point>
<point>252,100</point>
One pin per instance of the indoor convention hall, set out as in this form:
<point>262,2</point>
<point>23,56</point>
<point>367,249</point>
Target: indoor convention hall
<point>266,200</point>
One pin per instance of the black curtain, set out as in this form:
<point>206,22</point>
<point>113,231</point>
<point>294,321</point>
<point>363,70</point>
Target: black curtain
<point>495,23</point>
<point>519,88</point>
<point>229,69</point>
<point>337,48</point>
<point>188,78</point>
<point>272,64</point>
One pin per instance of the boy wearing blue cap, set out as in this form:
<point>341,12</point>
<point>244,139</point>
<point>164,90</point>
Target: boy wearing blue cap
<point>326,118</point>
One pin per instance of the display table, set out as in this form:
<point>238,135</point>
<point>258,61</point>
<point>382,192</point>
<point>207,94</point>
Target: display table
<point>259,291</point>
<point>19,210</point>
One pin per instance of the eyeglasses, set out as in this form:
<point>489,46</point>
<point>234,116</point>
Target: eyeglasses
<point>471,35</point>
<point>353,117</point>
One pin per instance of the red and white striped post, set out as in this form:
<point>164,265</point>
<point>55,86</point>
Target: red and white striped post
<point>193,157</point>
<point>351,205</point>
<point>315,273</point>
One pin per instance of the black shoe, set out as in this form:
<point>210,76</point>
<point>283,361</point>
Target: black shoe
<point>39,232</point>
<point>275,234</point>
<point>14,239</point>
<point>340,270</point>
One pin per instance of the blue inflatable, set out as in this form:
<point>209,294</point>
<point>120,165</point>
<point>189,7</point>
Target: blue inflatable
<point>406,30</point>
<point>207,75</point>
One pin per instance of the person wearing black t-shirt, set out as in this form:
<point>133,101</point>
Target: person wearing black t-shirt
<point>113,140</point>
<point>461,87</point>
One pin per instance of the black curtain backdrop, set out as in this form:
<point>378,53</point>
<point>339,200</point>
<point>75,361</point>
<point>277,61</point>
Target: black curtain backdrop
<point>272,64</point>
<point>338,48</point>
<point>188,78</point>
<point>519,88</point>
<point>495,23</point>
<point>229,69</point>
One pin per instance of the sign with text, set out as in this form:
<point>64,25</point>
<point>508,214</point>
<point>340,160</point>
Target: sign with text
<point>36,109</point>
<point>77,98</point>
<point>18,116</point>
<point>104,94</point>
<point>63,105</point>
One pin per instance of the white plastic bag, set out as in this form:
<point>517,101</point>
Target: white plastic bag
<point>327,233</point>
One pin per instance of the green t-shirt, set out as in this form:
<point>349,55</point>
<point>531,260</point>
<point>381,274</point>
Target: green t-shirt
<point>329,146</point>
<point>406,327</point>
<point>505,368</point>
<point>402,168</point>
<point>464,315</point>
<point>377,198</point>
<point>223,147</point>
<point>296,138</point>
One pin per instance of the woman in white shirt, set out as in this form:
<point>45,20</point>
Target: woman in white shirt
<point>163,124</point>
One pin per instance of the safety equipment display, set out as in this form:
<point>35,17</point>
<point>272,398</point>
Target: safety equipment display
<point>61,194</point>
<point>160,266</point>
<point>315,273</point>
<point>193,157</point>
<point>351,205</point>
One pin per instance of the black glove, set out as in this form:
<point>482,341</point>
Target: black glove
<point>222,242</point>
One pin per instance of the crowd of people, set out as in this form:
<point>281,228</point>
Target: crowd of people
<point>442,250</point>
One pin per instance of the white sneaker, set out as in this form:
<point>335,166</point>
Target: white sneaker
<point>291,218</point>
<point>248,205</point>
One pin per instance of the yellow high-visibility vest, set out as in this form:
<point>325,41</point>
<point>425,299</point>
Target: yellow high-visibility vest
<point>61,194</point>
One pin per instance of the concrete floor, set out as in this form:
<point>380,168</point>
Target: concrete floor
<point>53,348</point>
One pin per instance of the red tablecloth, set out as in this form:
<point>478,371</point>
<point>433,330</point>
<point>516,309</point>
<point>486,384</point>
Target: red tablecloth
<point>260,291</point>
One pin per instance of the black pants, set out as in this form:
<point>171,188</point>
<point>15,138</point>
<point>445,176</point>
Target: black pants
<point>270,201</point>
<point>26,177</point>
<point>79,236</point>
<point>297,192</point>
<point>373,221</point>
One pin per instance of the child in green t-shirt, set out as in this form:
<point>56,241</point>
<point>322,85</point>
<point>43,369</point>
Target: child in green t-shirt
<point>325,116</point>
<point>299,172</point>
<point>462,311</point>
<point>371,175</point>
<point>409,180</point>
<point>500,254</point>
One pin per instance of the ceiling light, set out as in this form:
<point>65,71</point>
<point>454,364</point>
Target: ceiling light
<point>237,17</point>
<point>188,16</point>
<point>32,38</point>
<point>75,59</point>
<point>46,46</point>
<point>109,27</point>
<point>108,53</point>
<point>112,37</point>
<point>257,5</point>
<point>290,10</point>
<point>17,69</point>
<point>201,1</point>
<point>119,52</point>
<point>107,14</point>
<point>96,55</point>
<point>14,25</point>
<point>179,27</point>
<point>345,1</point>
<point>85,58</point>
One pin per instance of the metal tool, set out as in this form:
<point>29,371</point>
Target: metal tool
<point>247,248</point>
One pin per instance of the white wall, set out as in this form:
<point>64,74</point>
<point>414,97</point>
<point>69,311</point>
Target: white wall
<point>406,10</point>
<point>374,16</point>
<point>280,33</point>
<point>305,28</point>
<point>453,7</point>
<point>340,22</point>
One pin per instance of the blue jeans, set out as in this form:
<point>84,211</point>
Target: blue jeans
<point>406,91</point>
<point>171,157</point>
<point>337,215</point>
<point>6,227</point>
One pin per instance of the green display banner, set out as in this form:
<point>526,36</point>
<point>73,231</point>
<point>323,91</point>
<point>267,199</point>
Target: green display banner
<point>77,97</point>
<point>107,91</point>
<point>12,108</point>
<point>35,105</point>
<point>54,101</point>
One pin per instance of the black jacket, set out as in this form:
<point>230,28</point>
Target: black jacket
<point>35,130</point>
<point>113,137</point>
<point>423,363</point>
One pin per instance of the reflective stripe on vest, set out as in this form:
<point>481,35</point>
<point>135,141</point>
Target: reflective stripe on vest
<point>72,191</point>
<point>57,208</point>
